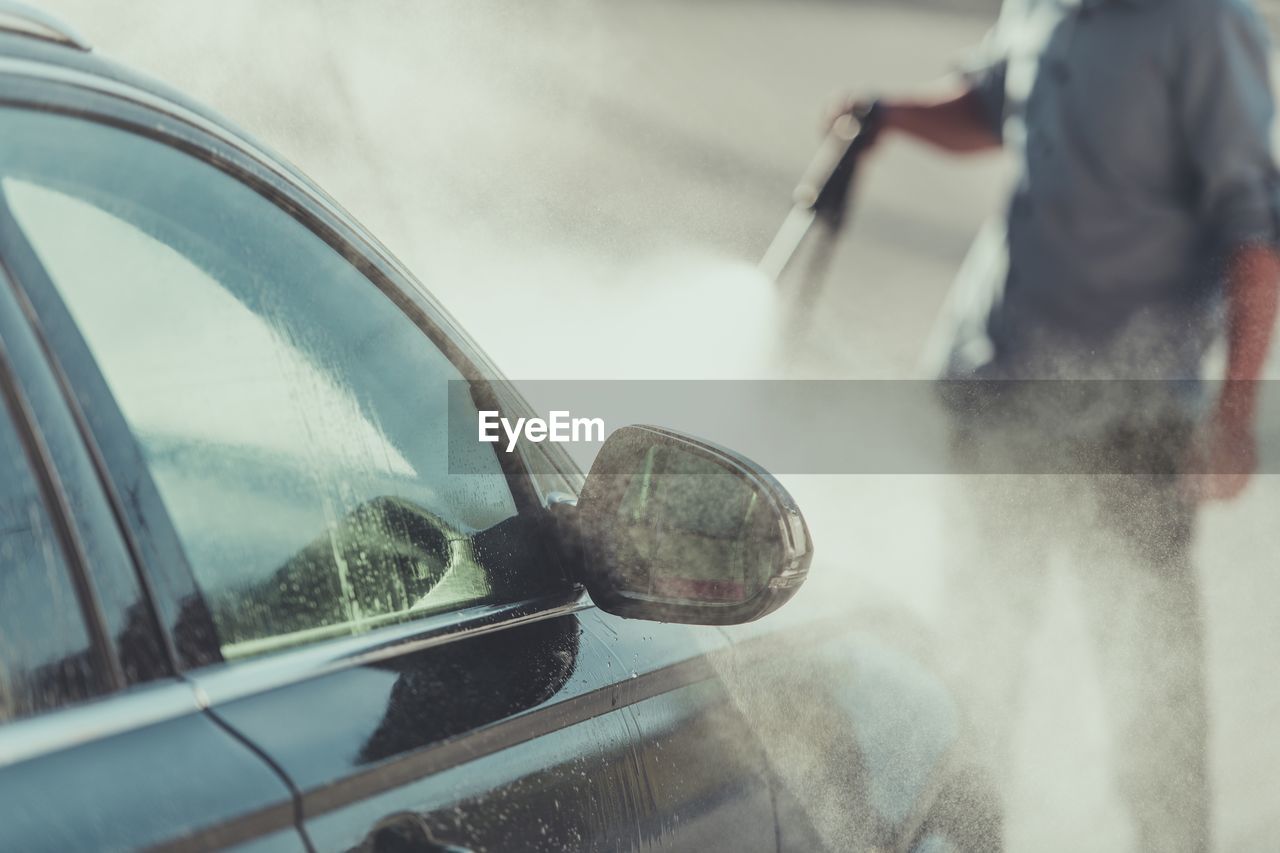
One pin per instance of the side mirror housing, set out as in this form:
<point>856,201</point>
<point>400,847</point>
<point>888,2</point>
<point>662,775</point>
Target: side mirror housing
<point>676,529</point>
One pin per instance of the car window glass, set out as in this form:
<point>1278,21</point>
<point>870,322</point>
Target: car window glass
<point>294,419</point>
<point>45,651</point>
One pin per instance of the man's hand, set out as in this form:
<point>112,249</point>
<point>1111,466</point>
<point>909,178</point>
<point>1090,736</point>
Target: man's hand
<point>841,105</point>
<point>845,105</point>
<point>1223,458</point>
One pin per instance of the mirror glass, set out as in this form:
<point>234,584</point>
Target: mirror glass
<point>688,530</point>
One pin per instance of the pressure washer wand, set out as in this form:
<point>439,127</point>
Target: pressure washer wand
<point>823,194</point>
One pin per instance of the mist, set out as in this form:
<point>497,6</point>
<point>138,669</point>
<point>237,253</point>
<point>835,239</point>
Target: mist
<point>587,184</point>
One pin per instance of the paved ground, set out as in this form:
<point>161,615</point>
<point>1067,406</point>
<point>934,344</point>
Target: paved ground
<point>587,183</point>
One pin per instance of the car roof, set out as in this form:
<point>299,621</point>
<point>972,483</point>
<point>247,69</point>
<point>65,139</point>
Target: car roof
<point>33,21</point>
<point>28,48</point>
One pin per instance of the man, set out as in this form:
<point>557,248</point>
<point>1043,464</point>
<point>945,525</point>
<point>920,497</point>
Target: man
<point>1143,225</point>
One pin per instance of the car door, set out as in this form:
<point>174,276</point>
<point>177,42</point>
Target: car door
<point>700,756</point>
<point>101,746</point>
<point>369,603</point>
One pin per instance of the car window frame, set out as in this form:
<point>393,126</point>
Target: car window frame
<point>16,407</point>
<point>177,599</point>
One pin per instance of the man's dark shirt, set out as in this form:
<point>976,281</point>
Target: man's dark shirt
<point>1143,129</point>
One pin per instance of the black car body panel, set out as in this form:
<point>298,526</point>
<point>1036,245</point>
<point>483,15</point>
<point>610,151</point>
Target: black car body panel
<point>170,774</point>
<point>519,738</point>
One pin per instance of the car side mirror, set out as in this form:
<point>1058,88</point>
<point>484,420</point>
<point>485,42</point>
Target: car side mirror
<point>676,529</point>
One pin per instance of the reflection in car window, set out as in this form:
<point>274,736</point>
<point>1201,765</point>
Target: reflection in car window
<point>45,652</point>
<point>293,418</point>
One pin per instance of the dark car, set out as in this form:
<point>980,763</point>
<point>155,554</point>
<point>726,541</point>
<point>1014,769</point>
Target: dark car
<point>257,592</point>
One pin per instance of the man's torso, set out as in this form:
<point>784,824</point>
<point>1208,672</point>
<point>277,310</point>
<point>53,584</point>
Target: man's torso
<point>1110,270</point>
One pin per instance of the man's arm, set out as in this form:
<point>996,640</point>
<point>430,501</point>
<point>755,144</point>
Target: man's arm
<point>1230,452</point>
<point>966,116</point>
<point>956,122</point>
<point>1253,292</point>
